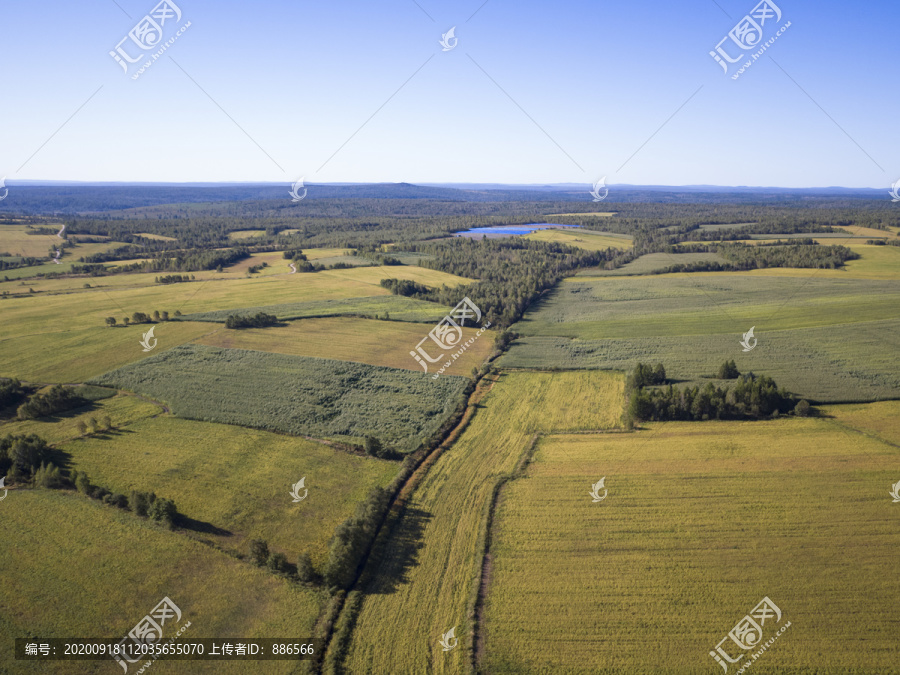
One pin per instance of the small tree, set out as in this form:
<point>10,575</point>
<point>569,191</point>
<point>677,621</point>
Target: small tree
<point>305,570</point>
<point>802,408</point>
<point>110,321</point>
<point>156,315</point>
<point>259,551</point>
<point>163,511</point>
<point>107,422</point>
<point>178,311</point>
<point>728,371</point>
<point>373,446</point>
<point>82,483</point>
<point>82,427</point>
<point>659,374</point>
<point>164,316</point>
<point>95,426</point>
<point>126,320</point>
<point>139,502</point>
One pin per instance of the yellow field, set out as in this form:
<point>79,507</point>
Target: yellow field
<point>319,253</point>
<point>582,239</point>
<point>421,591</point>
<point>100,570</point>
<point>379,343</point>
<point>245,234</point>
<point>860,231</point>
<point>159,237</point>
<point>276,260</point>
<point>702,520</point>
<point>585,213</point>
<point>14,241</point>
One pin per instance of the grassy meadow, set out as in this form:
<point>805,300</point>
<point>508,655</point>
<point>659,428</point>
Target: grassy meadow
<point>74,567</point>
<point>378,343</point>
<point>702,521</point>
<point>294,394</point>
<point>583,238</point>
<point>423,588</point>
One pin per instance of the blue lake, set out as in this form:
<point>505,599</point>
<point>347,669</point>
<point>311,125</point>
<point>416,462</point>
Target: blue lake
<point>509,230</point>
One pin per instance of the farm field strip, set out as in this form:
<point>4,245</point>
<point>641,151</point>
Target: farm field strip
<point>379,343</point>
<point>421,592</point>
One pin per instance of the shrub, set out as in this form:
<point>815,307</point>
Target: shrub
<point>259,551</point>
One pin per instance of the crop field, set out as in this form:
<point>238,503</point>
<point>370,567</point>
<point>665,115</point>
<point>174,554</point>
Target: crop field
<point>582,238</point>
<point>234,479</point>
<point>396,307</point>
<point>294,394</point>
<point>428,578</point>
<point>103,584</point>
<point>683,304</point>
<point>701,521</point>
<point>653,261</point>
<point>275,260</point>
<point>238,235</point>
<point>379,343</point>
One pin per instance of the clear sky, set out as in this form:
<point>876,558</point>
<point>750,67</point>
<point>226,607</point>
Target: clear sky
<point>532,92</point>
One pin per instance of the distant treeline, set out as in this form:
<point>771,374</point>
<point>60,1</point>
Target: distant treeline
<point>805,254</point>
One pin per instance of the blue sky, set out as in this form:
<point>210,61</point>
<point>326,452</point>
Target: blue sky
<point>533,92</point>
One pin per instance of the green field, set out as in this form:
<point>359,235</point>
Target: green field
<point>73,567</point>
<point>705,304</point>
<point>652,262</point>
<point>294,394</point>
<point>701,522</point>
<point>814,363</point>
<point>398,307</point>
<point>423,587</point>
<point>379,343</point>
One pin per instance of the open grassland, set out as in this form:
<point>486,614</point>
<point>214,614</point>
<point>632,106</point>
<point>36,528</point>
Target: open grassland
<point>15,240</point>
<point>582,238</point>
<point>379,343</point>
<point>881,420</point>
<point>651,262</point>
<point>691,304</point>
<point>122,411</point>
<point>275,260</point>
<point>421,591</point>
<point>295,394</point>
<point>315,254</point>
<point>158,237</point>
<point>73,567</point>
<point>702,520</point>
<point>849,362</point>
<point>395,307</point>
<point>239,235</point>
<point>870,232</point>
<point>78,354</point>
<point>234,479</point>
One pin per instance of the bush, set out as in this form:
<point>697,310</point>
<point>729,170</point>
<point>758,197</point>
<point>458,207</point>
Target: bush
<point>163,511</point>
<point>802,408</point>
<point>140,502</point>
<point>47,476</point>
<point>352,539</point>
<point>259,551</point>
<point>278,564</point>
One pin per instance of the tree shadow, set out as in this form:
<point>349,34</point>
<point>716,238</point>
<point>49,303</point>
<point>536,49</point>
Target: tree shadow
<point>401,552</point>
<point>186,523</point>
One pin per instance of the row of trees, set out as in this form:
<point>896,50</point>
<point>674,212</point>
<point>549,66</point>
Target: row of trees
<point>142,317</point>
<point>277,563</point>
<point>174,278</point>
<point>143,504</point>
<point>258,320</point>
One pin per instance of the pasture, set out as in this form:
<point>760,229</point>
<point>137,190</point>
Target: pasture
<point>101,570</point>
<point>379,343</point>
<point>422,589</point>
<point>235,480</point>
<point>294,394</point>
<point>15,240</point>
<point>651,262</point>
<point>701,521</point>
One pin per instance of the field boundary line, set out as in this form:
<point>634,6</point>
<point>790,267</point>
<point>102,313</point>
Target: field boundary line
<point>336,645</point>
<point>475,604</point>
